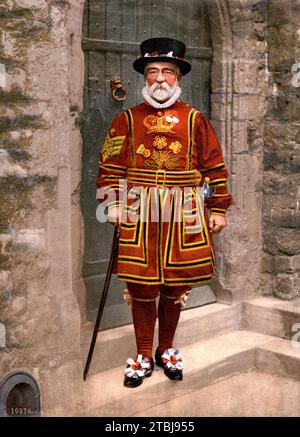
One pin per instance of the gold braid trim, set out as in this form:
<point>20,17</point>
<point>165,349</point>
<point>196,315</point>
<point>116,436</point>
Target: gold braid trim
<point>143,300</point>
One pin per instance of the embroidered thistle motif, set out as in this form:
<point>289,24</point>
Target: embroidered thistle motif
<point>175,147</point>
<point>162,158</point>
<point>112,146</point>
<point>159,124</point>
<point>160,142</point>
<point>143,151</point>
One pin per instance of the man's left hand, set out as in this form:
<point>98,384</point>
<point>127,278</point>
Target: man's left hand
<point>216,223</point>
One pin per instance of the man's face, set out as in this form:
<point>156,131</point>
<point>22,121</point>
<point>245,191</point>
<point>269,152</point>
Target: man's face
<point>161,78</point>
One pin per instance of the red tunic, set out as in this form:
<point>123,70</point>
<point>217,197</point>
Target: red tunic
<point>164,237</point>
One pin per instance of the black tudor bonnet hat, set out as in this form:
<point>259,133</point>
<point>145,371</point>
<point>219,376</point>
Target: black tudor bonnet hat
<point>162,50</point>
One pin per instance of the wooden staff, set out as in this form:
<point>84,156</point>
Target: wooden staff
<point>102,301</point>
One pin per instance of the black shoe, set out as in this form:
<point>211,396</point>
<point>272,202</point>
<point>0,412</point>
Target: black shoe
<point>171,372</point>
<point>133,381</point>
<point>158,359</point>
<point>135,373</point>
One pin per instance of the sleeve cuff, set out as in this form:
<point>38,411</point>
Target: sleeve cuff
<point>218,211</point>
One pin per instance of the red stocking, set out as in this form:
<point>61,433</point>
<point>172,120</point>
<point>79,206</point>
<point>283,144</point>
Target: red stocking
<point>144,317</point>
<point>168,317</point>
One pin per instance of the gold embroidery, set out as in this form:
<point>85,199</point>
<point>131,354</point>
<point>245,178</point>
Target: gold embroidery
<point>112,146</point>
<point>162,158</point>
<point>175,147</point>
<point>143,151</point>
<point>159,124</point>
<point>160,142</point>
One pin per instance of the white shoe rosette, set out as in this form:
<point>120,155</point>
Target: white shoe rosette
<point>136,368</point>
<point>172,359</point>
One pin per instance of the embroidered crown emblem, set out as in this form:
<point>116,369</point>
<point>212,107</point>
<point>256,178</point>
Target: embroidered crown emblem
<point>159,124</point>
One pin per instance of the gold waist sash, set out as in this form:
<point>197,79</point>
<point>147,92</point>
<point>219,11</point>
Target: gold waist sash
<point>163,178</point>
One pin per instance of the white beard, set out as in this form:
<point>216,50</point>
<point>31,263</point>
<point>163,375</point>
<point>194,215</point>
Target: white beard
<point>161,92</point>
<point>161,95</point>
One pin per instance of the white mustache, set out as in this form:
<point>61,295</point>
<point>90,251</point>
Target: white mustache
<point>157,86</point>
<point>161,91</point>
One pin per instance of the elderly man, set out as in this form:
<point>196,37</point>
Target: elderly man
<point>162,148</point>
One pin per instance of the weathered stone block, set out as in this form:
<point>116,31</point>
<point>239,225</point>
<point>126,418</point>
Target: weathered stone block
<point>5,281</point>
<point>219,75</point>
<point>286,264</point>
<point>283,157</point>
<point>281,131</point>
<point>16,78</point>
<point>3,77</point>
<point>248,106</point>
<point>9,168</point>
<point>285,286</point>
<point>219,106</point>
<point>282,40</point>
<point>2,335</point>
<point>279,241</point>
<point>285,218</point>
<point>282,12</point>
<point>285,108</point>
<point>266,284</point>
<point>30,239</point>
<point>266,263</point>
<point>248,76</point>
<point>30,4</point>
<point>277,184</point>
<point>282,200</point>
<point>19,306</point>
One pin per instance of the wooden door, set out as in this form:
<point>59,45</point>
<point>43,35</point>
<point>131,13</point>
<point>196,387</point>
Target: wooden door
<point>112,32</point>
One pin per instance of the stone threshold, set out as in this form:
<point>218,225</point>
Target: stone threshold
<point>269,315</point>
<point>207,361</point>
<point>264,314</point>
<point>219,341</point>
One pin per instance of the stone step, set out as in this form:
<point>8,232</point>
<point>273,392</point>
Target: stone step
<point>248,394</point>
<point>114,346</point>
<point>207,362</point>
<point>272,316</point>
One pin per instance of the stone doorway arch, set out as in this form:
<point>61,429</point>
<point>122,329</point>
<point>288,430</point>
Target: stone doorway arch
<point>234,81</point>
<point>111,44</point>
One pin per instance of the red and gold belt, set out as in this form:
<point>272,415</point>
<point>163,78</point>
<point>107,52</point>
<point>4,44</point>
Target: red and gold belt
<point>163,178</point>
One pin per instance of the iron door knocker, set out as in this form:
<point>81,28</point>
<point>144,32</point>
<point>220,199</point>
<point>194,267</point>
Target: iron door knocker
<point>117,91</point>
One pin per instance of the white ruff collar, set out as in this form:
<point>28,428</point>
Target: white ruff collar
<point>166,104</point>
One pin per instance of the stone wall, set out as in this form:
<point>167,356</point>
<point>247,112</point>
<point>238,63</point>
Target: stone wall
<point>239,94</point>
<point>281,178</point>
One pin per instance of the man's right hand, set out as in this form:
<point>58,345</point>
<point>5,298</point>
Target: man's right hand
<point>113,215</point>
